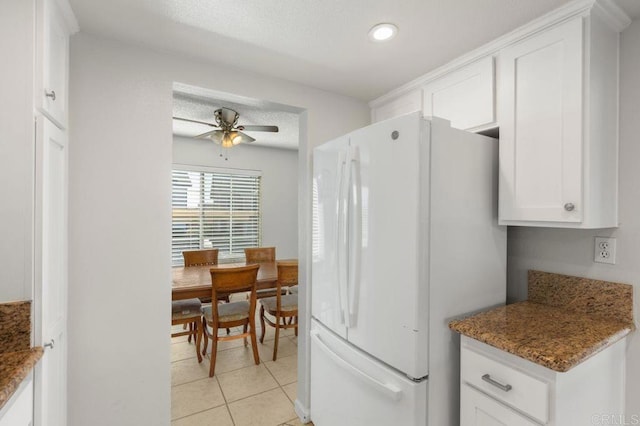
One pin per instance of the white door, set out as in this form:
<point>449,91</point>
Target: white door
<point>387,298</point>
<point>51,274</point>
<point>350,388</point>
<point>477,409</point>
<point>328,252</point>
<point>540,116</point>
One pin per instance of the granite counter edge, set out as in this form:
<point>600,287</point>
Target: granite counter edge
<point>19,372</point>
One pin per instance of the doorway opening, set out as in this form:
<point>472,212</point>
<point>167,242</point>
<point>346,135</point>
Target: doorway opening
<point>230,199</point>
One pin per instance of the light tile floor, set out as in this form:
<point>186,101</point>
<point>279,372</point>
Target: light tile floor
<point>240,393</point>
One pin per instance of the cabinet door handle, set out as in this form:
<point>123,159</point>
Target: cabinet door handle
<point>487,378</point>
<point>50,344</point>
<point>51,95</point>
<point>569,207</point>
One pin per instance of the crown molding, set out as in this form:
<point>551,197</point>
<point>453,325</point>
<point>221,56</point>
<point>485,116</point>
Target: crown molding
<point>612,14</point>
<point>69,16</point>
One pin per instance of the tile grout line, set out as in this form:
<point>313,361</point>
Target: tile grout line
<point>226,402</point>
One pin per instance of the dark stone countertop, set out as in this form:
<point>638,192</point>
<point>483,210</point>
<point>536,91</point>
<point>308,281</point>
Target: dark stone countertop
<point>565,321</point>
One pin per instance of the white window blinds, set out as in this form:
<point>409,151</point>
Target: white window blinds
<point>212,209</point>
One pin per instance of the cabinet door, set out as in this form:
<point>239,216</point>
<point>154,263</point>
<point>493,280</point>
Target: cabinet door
<point>540,116</point>
<point>51,273</point>
<point>52,62</point>
<point>411,102</point>
<point>465,97</point>
<point>20,413</point>
<point>477,409</point>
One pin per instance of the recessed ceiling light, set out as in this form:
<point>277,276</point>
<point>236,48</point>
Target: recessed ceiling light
<point>383,32</point>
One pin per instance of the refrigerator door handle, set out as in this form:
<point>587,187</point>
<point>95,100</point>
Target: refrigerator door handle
<point>390,391</point>
<point>341,247</point>
<point>355,230</point>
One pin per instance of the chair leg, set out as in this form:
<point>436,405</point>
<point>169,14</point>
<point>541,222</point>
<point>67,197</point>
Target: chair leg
<point>275,343</point>
<point>244,330</point>
<point>295,329</point>
<point>254,343</point>
<point>205,335</point>
<point>190,329</point>
<point>262,324</point>
<point>214,350</point>
<point>198,340</point>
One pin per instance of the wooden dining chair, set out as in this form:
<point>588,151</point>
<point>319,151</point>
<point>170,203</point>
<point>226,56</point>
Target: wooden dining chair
<point>188,312</point>
<point>262,255</point>
<point>281,307</point>
<point>202,258</point>
<point>234,314</point>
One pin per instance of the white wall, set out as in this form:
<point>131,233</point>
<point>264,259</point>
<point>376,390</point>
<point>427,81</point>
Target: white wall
<point>119,203</point>
<point>571,251</point>
<point>16,150</point>
<point>279,189</point>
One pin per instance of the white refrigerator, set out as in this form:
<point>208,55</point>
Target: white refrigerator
<point>405,238</point>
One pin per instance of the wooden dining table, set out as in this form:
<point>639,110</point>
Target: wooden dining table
<point>195,281</point>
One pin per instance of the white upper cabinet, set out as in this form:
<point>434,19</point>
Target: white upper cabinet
<point>540,113</point>
<point>54,26</point>
<point>410,102</point>
<point>558,115</point>
<point>551,87</point>
<point>466,97</point>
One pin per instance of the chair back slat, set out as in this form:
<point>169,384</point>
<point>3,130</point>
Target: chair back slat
<point>288,272</point>
<point>260,254</point>
<point>200,257</point>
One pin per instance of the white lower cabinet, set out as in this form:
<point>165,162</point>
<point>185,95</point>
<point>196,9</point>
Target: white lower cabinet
<point>498,388</point>
<point>19,409</point>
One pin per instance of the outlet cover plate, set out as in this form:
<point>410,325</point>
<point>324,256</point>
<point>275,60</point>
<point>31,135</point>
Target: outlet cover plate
<point>605,250</point>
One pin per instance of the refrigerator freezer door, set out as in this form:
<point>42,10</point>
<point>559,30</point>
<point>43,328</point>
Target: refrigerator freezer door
<point>349,387</point>
<point>329,246</point>
<point>388,284</point>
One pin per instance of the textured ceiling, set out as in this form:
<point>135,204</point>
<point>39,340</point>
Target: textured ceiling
<point>319,43</point>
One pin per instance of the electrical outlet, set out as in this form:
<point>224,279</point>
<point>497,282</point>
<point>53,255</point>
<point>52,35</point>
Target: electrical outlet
<point>605,250</point>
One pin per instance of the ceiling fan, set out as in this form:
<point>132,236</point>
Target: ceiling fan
<point>228,132</point>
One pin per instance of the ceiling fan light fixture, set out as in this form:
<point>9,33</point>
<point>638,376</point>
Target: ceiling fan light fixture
<point>236,138</point>
<point>383,32</point>
<point>229,139</point>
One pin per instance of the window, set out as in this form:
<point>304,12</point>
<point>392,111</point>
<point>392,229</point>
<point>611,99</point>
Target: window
<point>214,209</point>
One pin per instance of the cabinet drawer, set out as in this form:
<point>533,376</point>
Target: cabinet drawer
<point>480,410</point>
<point>506,384</point>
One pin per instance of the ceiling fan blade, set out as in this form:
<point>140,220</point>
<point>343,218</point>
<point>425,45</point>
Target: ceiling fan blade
<point>195,121</point>
<point>244,138</point>
<point>258,128</point>
<point>214,134</point>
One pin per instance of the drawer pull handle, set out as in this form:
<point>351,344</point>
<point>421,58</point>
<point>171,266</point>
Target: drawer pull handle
<point>51,95</point>
<point>487,378</point>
